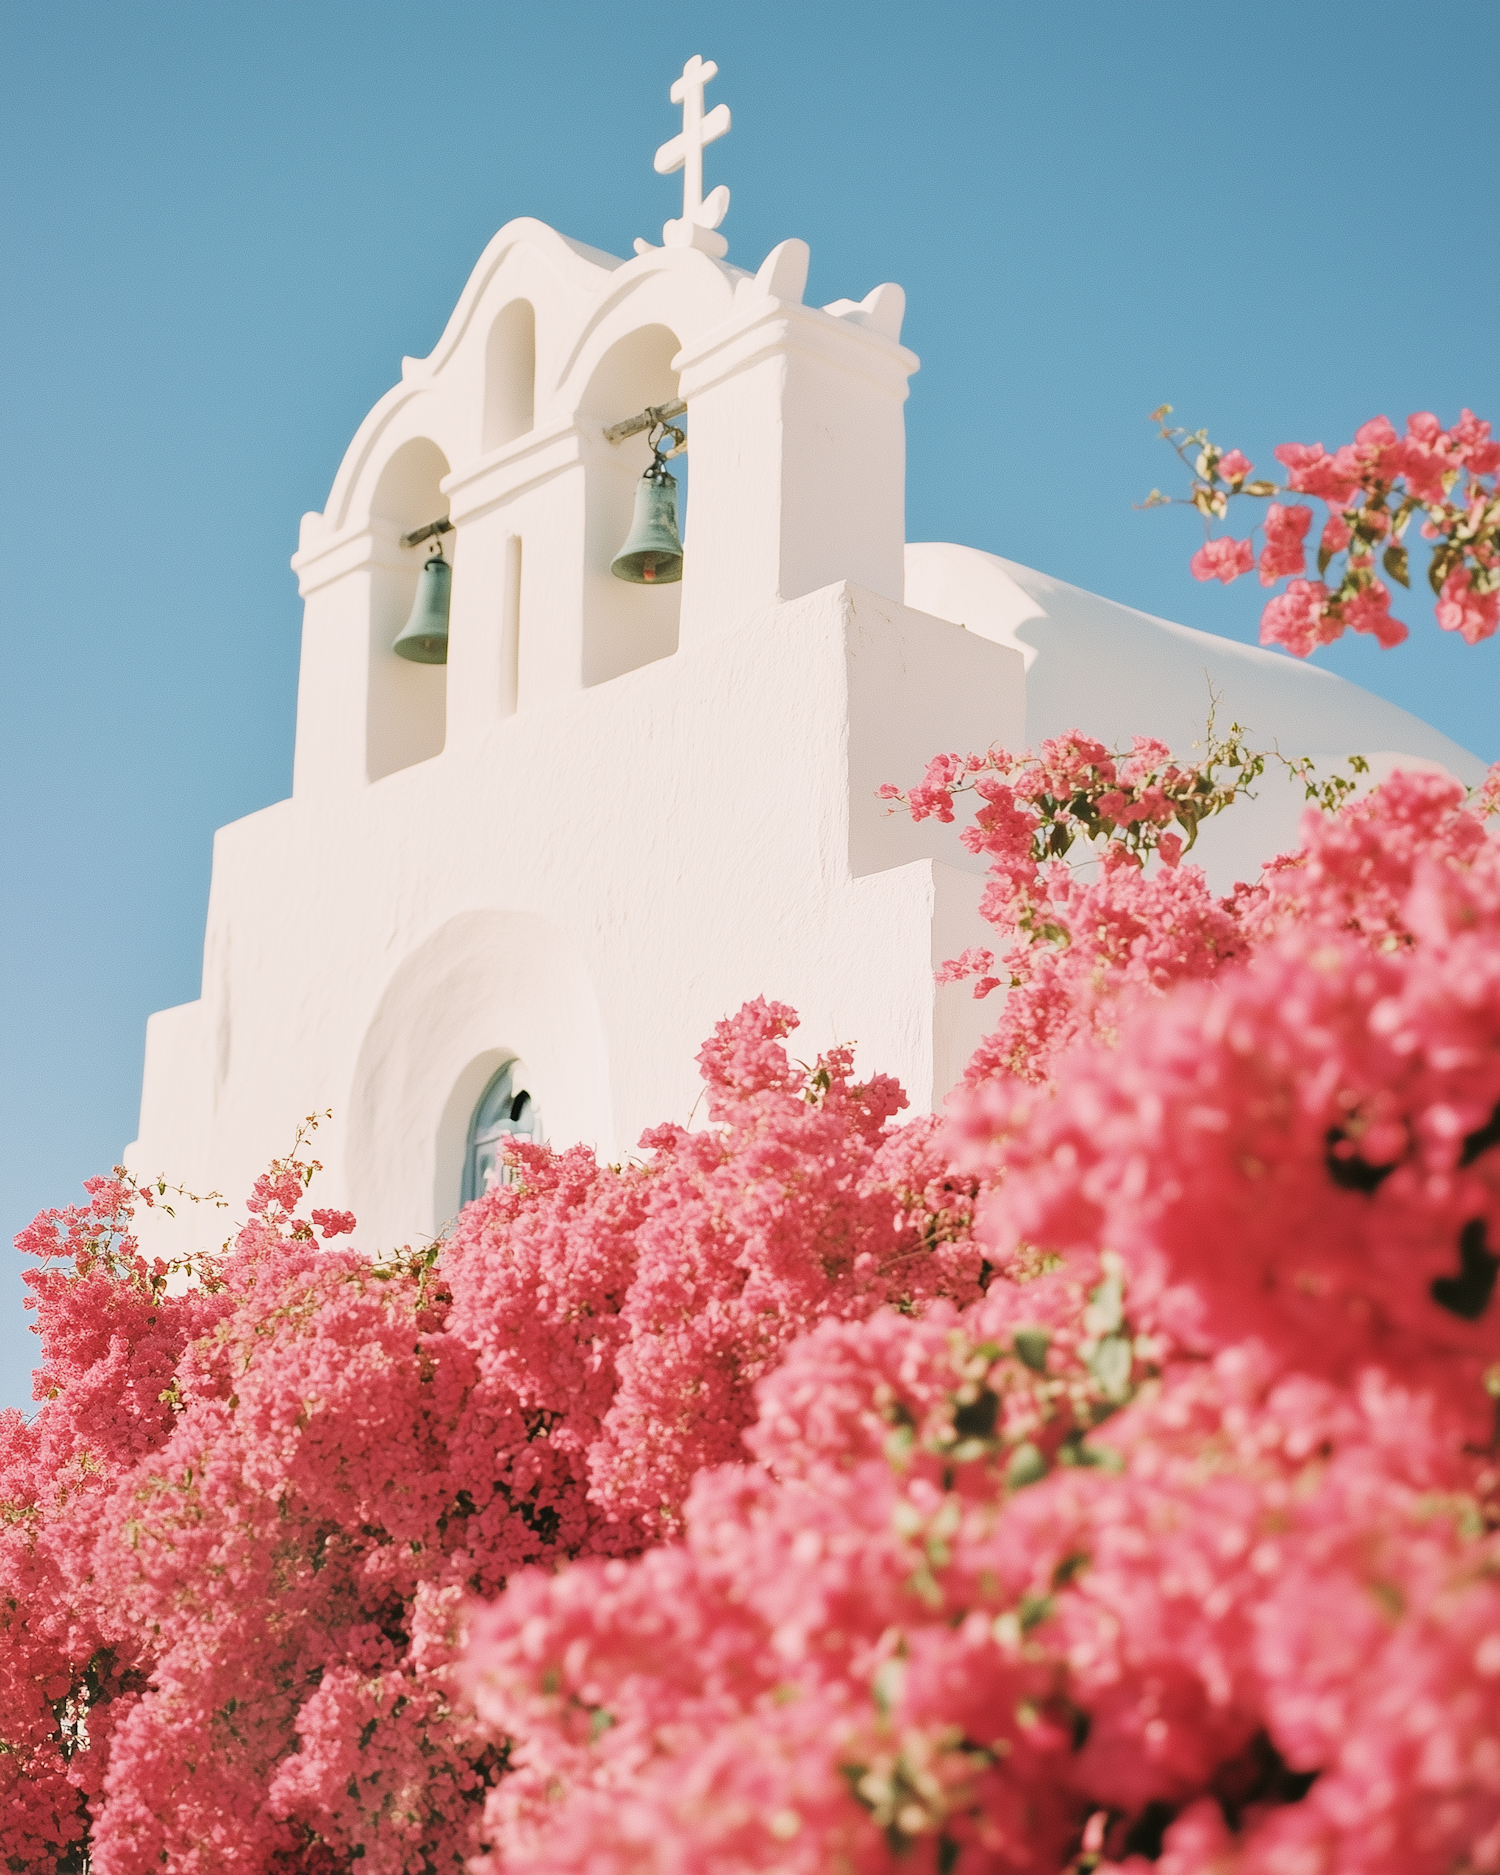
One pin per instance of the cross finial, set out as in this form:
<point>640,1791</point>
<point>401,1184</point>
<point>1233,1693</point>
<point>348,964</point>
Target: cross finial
<point>700,217</point>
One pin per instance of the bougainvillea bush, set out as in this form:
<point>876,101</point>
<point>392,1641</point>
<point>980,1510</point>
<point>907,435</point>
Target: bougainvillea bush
<point>1178,1549</point>
<point>241,1533</point>
<point>1102,1477</point>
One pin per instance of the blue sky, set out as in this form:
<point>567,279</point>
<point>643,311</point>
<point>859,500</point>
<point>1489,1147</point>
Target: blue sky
<point>224,225</point>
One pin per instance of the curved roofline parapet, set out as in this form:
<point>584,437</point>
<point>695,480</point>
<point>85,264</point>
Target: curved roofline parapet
<point>584,302</point>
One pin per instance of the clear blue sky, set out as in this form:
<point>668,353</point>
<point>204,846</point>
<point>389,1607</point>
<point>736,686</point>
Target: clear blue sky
<point>225,224</point>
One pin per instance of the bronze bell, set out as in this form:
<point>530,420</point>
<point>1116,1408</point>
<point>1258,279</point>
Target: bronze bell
<point>424,636</point>
<point>652,554</point>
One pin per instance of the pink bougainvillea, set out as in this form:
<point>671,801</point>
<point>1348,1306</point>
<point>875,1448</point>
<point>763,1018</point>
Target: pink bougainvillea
<point>1102,1478</point>
<point>1178,1550</point>
<point>1223,559</point>
<point>1373,488</point>
<point>1283,553</point>
<point>1069,945</point>
<point>243,1528</point>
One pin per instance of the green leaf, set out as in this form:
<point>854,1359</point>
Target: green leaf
<point>1026,1466</point>
<point>1106,1309</point>
<point>1031,1346</point>
<point>977,1419</point>
<point>1110,1364</point>
<point>898,1446</point>
<point>1325,554</point>
<point>1034,1609</point>
<point>1259,488</point>
<point>890,1678</point>
<point>1394,562</point>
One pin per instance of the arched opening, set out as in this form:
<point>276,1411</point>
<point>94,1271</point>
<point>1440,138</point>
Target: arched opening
<point>510,375</point>
<point>407,704</point>
<point>625,626</point>
<point>484,989</point>
<point>505,1110</point>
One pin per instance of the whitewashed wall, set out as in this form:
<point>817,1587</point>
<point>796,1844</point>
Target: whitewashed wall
<point>619,812</point>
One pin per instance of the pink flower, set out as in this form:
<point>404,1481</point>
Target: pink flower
<point>1075,760</point>
<point>334,1223</point>
<point>1315,472</point>
<point>1296,619</point>
<point>1429,456</point>
<point>1471,443</point>
<point>974,962</point>
<point>1460,609</point>
<point>1170,848</point>
<point>1286,529</point>
<point>1379,451</point>
<point>1234,466</point>
<point>1336,535</point>
<point>1223,559</point>
<point>1146,754</point>
<point>1369,610</point>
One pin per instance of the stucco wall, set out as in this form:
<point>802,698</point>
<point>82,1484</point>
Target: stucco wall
<point>617,812</point>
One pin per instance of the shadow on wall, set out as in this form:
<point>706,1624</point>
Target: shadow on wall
<point>625,626</point>
<point>407,704</point>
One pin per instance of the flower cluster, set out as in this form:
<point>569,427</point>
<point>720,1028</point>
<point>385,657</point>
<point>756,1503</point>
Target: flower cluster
<point>1077,945</point>
<point>1180,1549</point>
<point>1069,944</point>
<point>240,1536</point>
<point>1372,488</point>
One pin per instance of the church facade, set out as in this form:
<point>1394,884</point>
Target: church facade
<point>513,891</point>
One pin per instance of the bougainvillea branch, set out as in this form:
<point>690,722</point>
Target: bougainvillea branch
<point>1081,922</point>
<point>1372,489</point>
<point>1035,808</point>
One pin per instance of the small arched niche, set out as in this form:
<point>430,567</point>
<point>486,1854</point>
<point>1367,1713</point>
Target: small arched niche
<point>625,626</point>
<point>407,704</point>
<point>506,1110</point>
<point>510,375</point>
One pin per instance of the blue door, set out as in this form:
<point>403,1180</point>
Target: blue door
<point>505,1111</point>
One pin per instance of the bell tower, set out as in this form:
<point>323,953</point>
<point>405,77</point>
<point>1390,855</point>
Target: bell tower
<point>596,811</point>
<point>798,444</point>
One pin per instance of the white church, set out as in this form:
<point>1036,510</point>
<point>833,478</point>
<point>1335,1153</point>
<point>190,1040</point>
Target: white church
<point>527,863</point>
